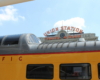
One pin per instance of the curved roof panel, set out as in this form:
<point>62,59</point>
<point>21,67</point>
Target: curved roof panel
<point>10,2</point>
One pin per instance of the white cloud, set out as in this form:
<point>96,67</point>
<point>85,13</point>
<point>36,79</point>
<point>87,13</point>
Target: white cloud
<point>75,22</point>
<point>9,14</point>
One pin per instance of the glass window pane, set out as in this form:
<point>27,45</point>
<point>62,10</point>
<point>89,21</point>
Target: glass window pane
<point>1,39</point>
<point>33,39</point>
<point>75,71</point>
<point>39,71</point>
<point>11,40</point>
<point>99,70</point>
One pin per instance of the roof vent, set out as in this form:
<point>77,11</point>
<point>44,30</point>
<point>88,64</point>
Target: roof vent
<point>81,40</point>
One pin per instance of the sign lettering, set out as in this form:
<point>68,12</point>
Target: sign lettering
<point>66,37</point>
<point>11,58</point>
<point>71,28</point>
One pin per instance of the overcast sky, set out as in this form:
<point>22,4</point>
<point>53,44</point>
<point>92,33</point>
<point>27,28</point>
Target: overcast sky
<point>39,16</point>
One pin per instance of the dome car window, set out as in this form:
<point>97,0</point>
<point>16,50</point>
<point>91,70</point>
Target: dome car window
<point>1,39</point>
<point>11,40</point>
<point>33,39</point>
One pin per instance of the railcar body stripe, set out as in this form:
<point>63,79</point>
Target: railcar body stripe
<point>49,53</point>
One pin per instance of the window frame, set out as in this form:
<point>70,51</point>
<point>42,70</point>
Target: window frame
<point>77,65</point>
<point>40,65</point>
<point>11,37</point>
<point>98,70</point>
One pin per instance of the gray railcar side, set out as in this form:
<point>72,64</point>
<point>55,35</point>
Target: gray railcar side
<point>27,44</point>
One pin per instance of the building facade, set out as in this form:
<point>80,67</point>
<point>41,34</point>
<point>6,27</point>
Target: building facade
<point>64,36</point>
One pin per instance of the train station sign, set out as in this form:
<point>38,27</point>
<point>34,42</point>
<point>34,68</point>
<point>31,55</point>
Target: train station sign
<point>70,28</point>
<point>65,37</point>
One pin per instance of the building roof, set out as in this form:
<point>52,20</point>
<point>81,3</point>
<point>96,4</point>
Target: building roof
<point>10,2</point>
